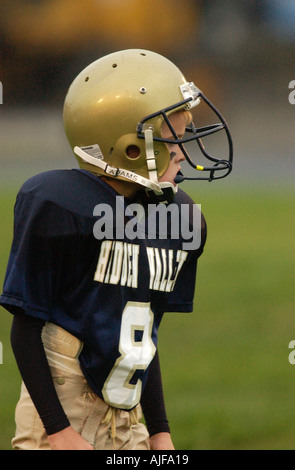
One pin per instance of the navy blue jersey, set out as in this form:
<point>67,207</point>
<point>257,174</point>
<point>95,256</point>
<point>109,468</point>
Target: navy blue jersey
<point>82,260</point>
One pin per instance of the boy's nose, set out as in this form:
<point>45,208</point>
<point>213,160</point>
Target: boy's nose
<point>179,157</point>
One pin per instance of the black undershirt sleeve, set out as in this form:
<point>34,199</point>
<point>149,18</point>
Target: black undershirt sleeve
<point>152,400</point>
<point>31,359</point>
<point>27,346</point>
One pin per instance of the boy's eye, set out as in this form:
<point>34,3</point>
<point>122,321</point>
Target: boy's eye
<point>172,155</point>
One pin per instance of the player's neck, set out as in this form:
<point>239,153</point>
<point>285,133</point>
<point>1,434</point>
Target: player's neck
<point>123,188</point>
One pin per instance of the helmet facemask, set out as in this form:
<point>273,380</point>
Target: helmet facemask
<point>220,167</point>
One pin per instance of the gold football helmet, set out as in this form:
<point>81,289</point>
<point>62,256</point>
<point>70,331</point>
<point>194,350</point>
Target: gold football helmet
<point>113,113</point>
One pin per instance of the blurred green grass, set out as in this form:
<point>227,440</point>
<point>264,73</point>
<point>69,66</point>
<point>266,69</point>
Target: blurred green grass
<point>9,376</point>
<point>227,379</point>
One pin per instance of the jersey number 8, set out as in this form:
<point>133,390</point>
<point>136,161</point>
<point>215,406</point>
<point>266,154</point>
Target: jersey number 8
<point>136,352</point>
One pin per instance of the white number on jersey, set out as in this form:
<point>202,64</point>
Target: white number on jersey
<point>137,351</point>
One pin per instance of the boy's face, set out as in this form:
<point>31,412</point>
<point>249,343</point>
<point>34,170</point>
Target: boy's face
<point>179,122</point>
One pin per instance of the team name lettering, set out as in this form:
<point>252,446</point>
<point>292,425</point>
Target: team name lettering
<point>163,268</point>
<point>118,264</point>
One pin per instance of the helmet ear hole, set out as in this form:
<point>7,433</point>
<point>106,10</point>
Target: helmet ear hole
<point>133,151</point>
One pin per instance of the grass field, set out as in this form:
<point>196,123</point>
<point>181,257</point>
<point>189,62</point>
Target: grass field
<point>227,379</point>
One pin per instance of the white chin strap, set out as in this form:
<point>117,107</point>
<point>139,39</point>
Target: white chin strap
<point>151,183</point>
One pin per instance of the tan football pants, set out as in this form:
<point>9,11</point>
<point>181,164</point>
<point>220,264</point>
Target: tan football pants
<point>102,426</point>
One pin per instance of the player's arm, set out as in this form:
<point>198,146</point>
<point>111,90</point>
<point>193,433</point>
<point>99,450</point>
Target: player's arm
<point>31,359</point>
<point>154,410</point>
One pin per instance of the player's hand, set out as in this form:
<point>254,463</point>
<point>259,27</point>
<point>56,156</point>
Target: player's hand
<point>68,439</point>
<point>161,441</point>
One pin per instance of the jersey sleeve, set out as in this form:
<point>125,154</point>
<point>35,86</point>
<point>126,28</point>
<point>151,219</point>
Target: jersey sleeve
<point>182,297</point>
<point>42,256</point>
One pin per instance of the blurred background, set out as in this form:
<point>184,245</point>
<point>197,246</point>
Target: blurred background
<point>231,385</point>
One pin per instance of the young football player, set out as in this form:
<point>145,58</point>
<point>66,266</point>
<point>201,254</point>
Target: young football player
<point>101,252</point>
